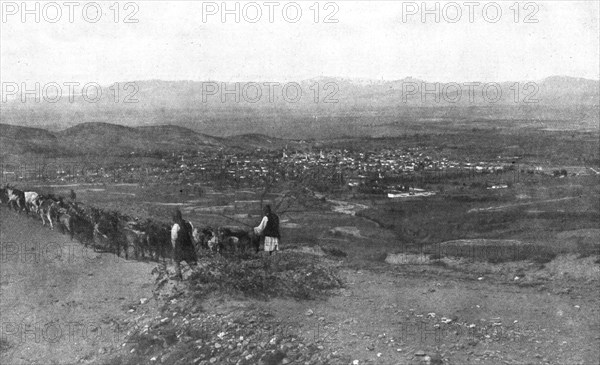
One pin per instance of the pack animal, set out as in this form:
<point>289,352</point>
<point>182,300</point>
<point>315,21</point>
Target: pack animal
<point>201,238</point>
<point>47,210</point>
<point>64,219</point>
<point>32,201</point>
<point>16,199</point>
<point>243,239</point>
<point>137,239</point>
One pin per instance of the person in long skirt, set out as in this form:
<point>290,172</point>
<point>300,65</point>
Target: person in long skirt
<point>182,242</point>
<point>269,228</point>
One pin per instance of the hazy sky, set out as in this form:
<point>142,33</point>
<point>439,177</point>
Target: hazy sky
<point>172,41</point>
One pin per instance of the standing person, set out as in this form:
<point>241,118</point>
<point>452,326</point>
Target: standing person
<point>182,243</point>
<point>269,227</point>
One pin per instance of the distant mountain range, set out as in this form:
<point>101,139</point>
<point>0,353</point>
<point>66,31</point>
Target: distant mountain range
<point>319,108</point>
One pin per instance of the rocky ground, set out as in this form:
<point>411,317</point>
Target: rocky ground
<point>410,311</point>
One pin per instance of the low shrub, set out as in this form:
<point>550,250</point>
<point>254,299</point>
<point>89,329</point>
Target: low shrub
<point>289,274</point>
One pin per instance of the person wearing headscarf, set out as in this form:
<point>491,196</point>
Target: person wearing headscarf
<point>269,228</point>
<point>182,243</point>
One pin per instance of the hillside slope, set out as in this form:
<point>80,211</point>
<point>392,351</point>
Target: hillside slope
<point>101,139</point>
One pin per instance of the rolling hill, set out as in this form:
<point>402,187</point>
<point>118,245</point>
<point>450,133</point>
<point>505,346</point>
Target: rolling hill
<point>102,139</point>
<point>19,140</point>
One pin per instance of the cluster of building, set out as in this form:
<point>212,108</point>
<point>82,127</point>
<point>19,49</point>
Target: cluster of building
<point>334,166</point>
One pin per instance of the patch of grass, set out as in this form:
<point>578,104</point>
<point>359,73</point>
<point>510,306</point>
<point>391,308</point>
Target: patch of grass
<point>333,251</point>
<point>292,274</point>
<point>493,252</point>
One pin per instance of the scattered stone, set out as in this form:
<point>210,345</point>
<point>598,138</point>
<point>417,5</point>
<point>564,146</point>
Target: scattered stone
<point>309,312</point>
<point>436,359</point>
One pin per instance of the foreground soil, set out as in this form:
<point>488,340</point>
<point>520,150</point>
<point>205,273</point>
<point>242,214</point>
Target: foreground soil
<point>61,303</point>
<point>97,308</point>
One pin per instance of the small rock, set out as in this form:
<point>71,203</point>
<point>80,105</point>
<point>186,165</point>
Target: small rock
<point>420,353</point>
<point>355,362</point>
<point>143,300</point>
<point>309,312</point>
<point>213,360</point>
<point>217,345</point>
<point>436,359</point>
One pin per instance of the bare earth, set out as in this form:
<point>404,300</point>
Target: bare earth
<point>76,307</point>
<point>61,302</point>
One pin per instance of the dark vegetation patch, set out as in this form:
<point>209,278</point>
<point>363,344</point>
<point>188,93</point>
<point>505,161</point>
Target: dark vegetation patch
<point>492,251</point>
<point>333,251</point>
<point>289,274</point>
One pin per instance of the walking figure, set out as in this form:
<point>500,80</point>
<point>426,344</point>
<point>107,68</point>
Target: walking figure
<point>269,228</point>
<point>182,243</point>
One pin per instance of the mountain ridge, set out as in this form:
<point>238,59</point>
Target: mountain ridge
<point>328,107</point>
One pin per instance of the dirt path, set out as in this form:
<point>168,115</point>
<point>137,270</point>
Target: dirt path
<point>60,302</point>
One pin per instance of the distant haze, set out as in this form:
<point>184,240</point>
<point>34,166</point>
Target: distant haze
<point>342,107</point>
